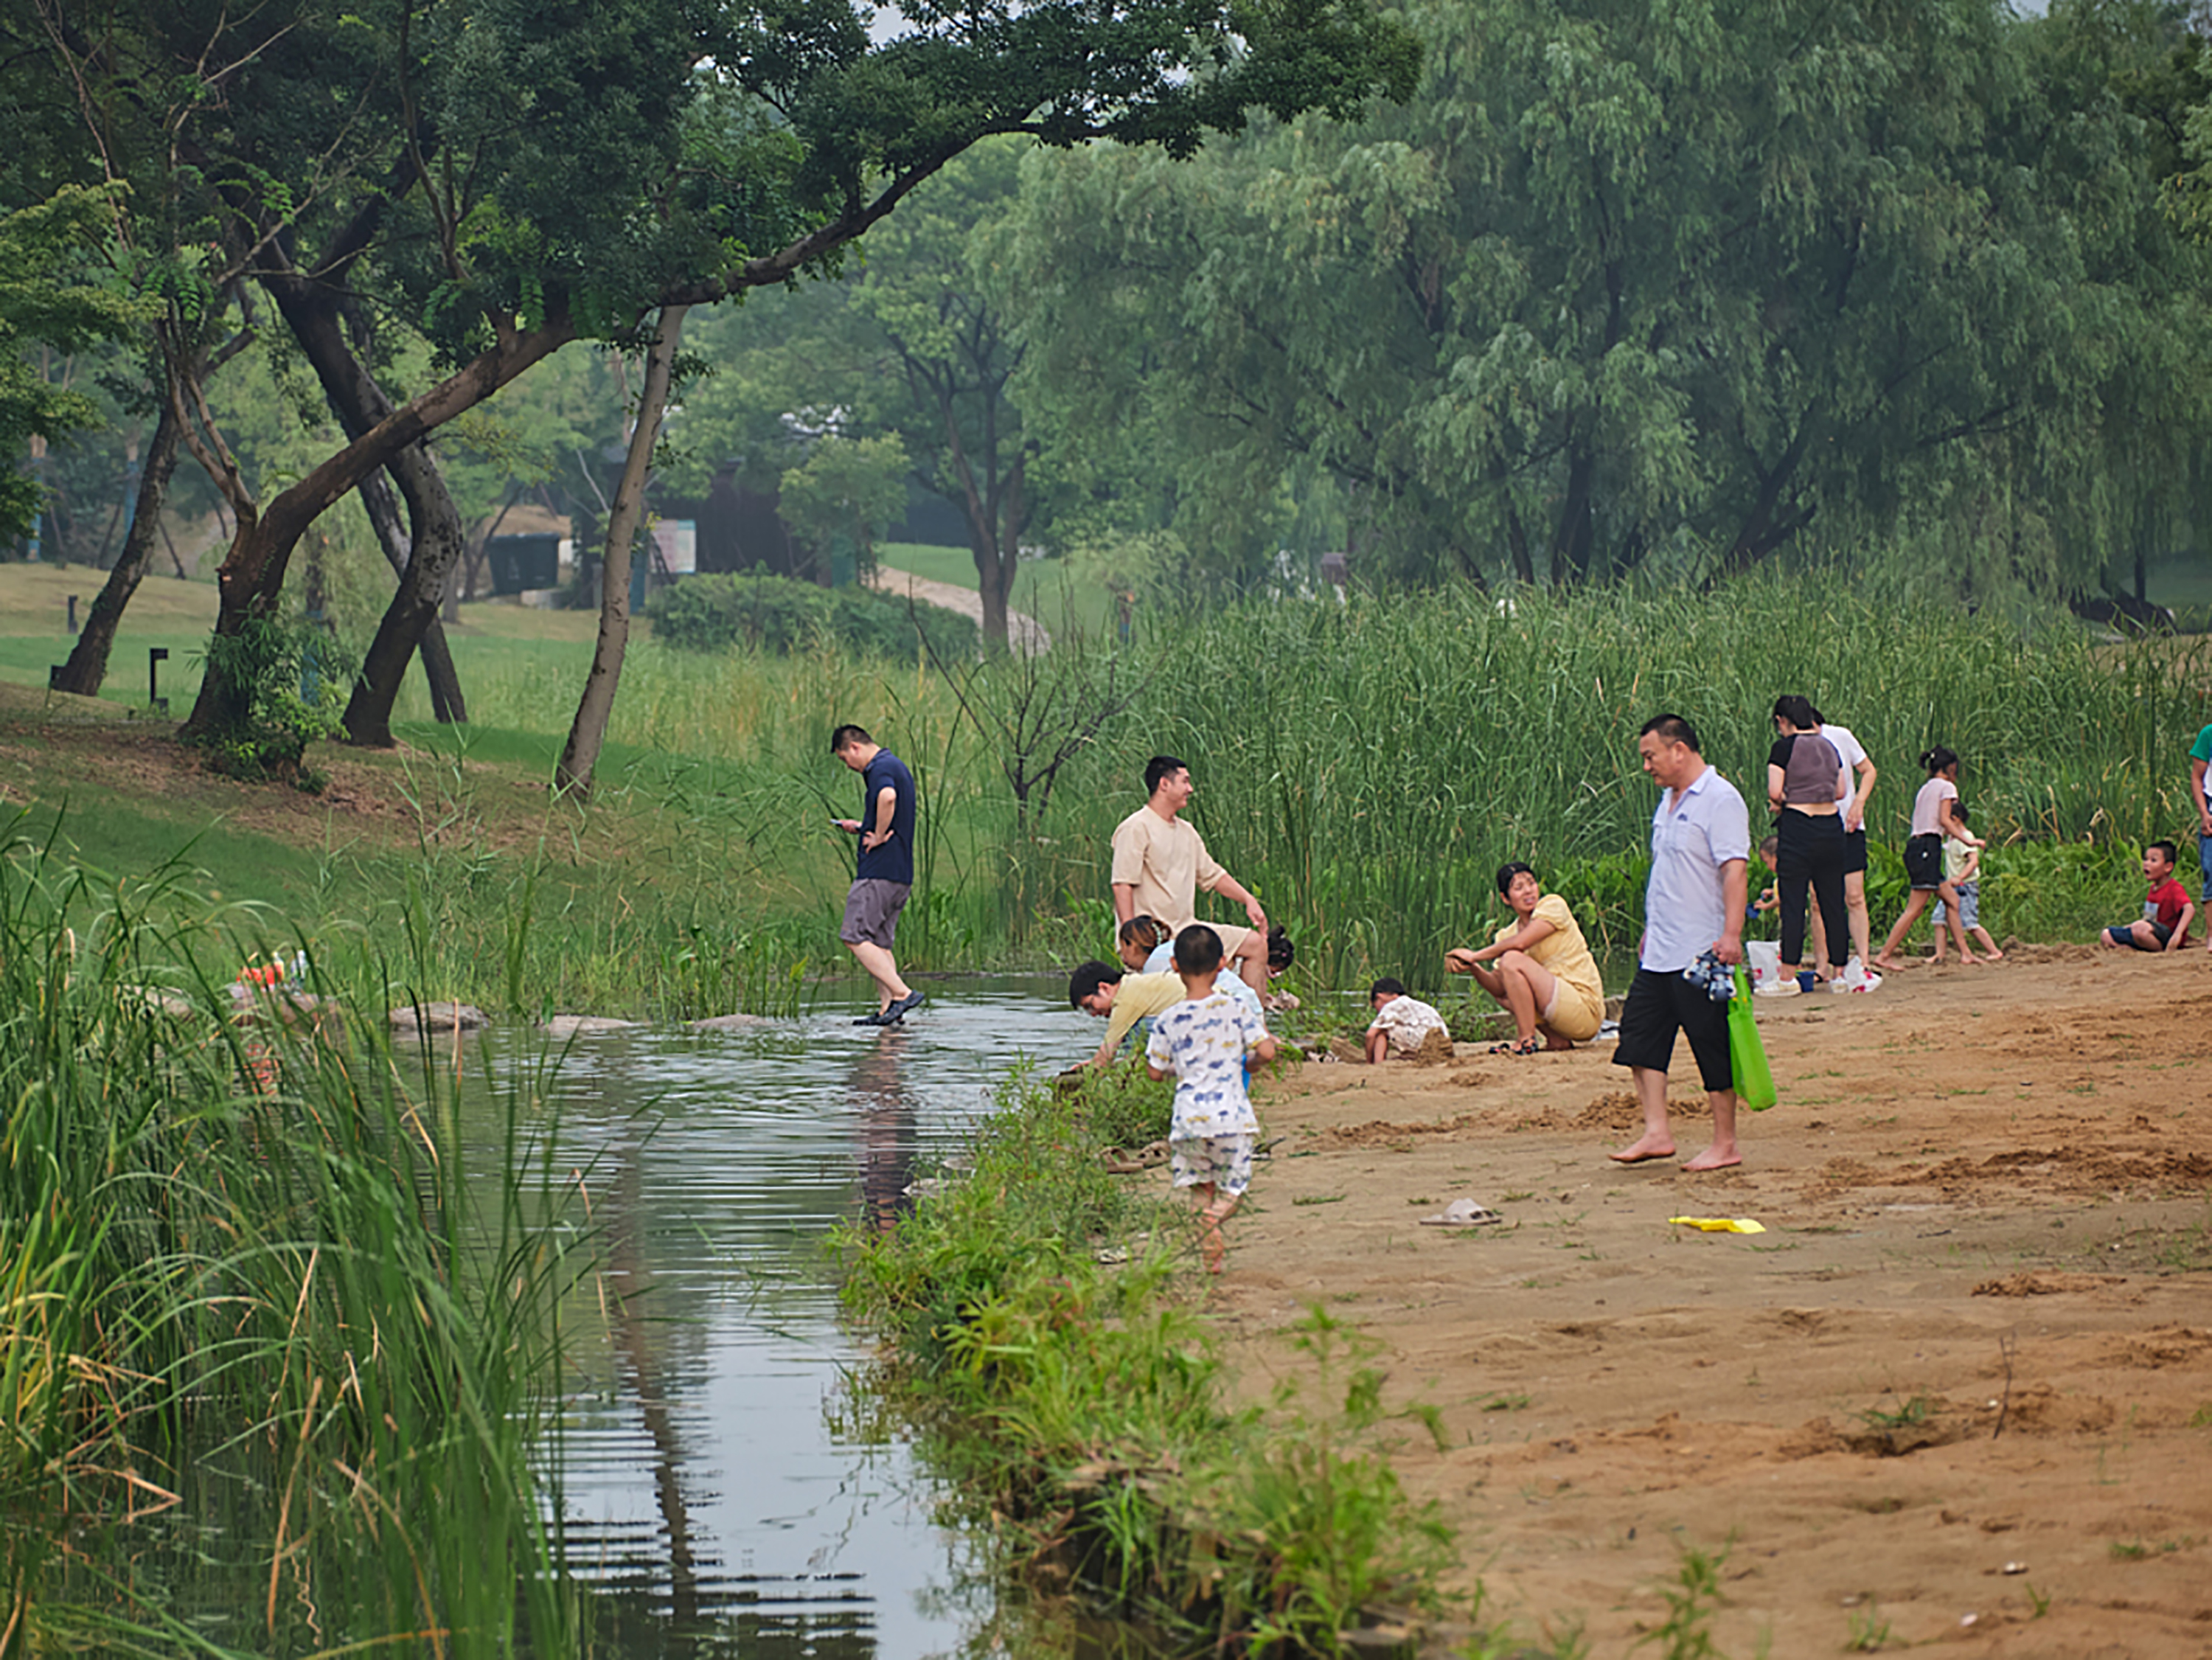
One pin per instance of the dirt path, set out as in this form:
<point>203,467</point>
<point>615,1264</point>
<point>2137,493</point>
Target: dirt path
<point>1022,631</point>
<point>1959,1391</point>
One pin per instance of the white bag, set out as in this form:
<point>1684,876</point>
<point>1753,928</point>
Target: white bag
<point>1764,957</point>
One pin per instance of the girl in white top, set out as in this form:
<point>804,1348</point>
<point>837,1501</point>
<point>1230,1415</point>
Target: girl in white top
<point>1934,816</point>
<point>1853,800</point>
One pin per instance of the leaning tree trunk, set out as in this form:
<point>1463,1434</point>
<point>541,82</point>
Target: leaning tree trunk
<point>311,310</point>
<point>87,660</point>
<point>447,704</point>
<point>580,754</point>
<point>251,576</point>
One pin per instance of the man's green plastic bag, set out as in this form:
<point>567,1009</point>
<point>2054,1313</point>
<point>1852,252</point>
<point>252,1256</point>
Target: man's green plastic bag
<point>1754,1083</point>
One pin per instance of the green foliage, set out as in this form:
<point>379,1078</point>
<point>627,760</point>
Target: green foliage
<point>242,1254</point>
<point>1692,1596</point>
<point>291,696</point>
<point>756,612</point>
<point>1123,1106</point>
<point>1869,1631</point>
<point>50,295</point>
<point>1664,291</point>
<point>853,487</point>
<point>1081,1408</point>
<point>1341,1536</point>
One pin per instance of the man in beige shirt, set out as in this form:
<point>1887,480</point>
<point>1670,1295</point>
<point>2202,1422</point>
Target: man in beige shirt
<point>1160,862</point>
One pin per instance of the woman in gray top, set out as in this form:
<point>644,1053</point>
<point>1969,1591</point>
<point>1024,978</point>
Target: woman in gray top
<point>1805,776</point>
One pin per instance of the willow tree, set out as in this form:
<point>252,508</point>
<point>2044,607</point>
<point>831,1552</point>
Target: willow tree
<point>1628,287</point>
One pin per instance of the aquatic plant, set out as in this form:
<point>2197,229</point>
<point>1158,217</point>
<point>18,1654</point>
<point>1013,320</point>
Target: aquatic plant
<point>249,1266</point>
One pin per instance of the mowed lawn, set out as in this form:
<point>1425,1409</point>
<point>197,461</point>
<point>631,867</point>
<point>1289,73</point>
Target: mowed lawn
<point>1043,588</point>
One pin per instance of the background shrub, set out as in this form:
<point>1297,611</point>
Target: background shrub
<point>781,615</point>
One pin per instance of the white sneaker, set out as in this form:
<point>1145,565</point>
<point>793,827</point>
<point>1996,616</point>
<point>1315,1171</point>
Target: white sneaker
<point>1779,988</point>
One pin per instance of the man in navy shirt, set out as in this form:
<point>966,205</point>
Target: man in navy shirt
<point>882,875</point>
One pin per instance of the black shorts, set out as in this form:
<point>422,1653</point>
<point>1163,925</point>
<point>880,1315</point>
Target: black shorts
<point>2123,933</point>
<point>1923,861</point>
<point>1854,851</point>
<point>1660,1004</point>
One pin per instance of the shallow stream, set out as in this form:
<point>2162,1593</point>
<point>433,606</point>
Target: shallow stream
<point>723,1494</point>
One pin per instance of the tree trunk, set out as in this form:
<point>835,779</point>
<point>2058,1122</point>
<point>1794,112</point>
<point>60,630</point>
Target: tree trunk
<point>87,660</point>
<point>447,704</point>
<point>311,310</point>
<point>251,575</point>
<point>580,754</point>
<point>1570,544</point>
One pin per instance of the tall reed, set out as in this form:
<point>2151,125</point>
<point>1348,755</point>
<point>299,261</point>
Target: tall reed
<point>1365,767</point>
<point>250,1257</point>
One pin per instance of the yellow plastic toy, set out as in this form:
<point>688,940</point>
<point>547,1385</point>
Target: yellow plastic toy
<point>1719,1224</point>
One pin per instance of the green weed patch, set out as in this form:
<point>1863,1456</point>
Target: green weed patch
<point>243,1250</point>
<point>1079,1407</point>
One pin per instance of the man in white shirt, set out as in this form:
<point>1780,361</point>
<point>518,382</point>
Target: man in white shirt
<point>1160,862</point>
<point>1693,903</point>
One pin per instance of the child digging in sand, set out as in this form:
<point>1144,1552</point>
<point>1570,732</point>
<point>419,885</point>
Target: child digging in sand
<point>1202,1042</point>
<point>1402,1024</point>
<point>2166,911</point>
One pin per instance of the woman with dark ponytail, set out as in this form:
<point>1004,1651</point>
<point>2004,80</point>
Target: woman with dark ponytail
<point>1806,782</point>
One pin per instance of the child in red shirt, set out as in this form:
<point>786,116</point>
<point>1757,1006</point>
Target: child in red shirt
<point>2167,911</point>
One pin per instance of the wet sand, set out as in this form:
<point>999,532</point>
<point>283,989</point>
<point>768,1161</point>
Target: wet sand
<point>1966,1370</point>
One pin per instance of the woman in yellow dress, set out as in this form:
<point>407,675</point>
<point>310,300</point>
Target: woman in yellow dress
<point>1539,966</point>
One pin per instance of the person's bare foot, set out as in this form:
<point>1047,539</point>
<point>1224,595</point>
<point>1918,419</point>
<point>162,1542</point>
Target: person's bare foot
<point>1714,1157</point>
<point>1645,1147</point>
<point>1556,1044</point>
<point>1993,956</point>
<point>1965,961</point>
<point>1885,961</point>
<point>1215,1250</point>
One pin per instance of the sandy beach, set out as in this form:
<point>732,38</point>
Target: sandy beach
<point>1959,1390</point>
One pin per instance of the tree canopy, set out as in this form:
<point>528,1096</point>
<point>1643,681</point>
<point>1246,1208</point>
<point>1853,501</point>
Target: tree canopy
<point>50,295</point>
<point>1627,289</point>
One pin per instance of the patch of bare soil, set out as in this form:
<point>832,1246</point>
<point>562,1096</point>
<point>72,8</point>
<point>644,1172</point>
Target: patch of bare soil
<point>1960,1387</point>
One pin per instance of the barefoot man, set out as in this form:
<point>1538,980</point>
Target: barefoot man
<point>1160,862</point>
<point>1693,902</point>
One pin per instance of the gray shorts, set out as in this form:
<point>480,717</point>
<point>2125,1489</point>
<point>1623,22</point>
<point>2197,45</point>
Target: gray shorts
<point>872,912</point>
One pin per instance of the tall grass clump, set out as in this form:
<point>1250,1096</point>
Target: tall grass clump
<point>1365,768</point>
<point>1080,1408</point>
<point>253,1281</point>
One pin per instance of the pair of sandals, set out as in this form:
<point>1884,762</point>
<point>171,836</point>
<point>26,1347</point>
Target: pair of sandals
<point>1526,1046</point>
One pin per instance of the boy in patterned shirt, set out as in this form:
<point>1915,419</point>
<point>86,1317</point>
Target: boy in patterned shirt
<point>1202,1042</point>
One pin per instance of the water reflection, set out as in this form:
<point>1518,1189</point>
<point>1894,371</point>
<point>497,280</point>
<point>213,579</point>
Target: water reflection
<point>886,1109</point>
<point>710,1499</point>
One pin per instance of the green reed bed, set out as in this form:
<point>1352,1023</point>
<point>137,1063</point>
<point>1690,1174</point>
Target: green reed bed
<point>1366,767</point>
<point>255,1302</point>
<point>1081,1410</point>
